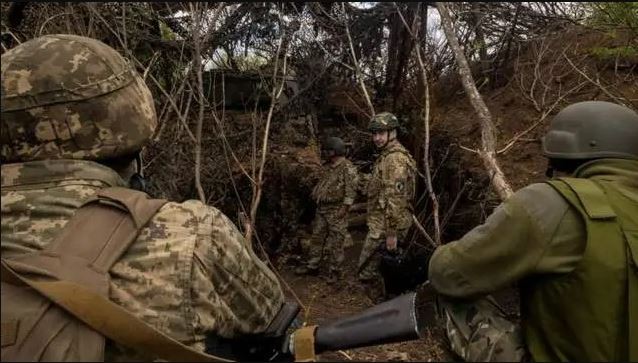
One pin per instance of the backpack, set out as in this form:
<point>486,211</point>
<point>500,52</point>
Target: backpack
<point>55,304</point>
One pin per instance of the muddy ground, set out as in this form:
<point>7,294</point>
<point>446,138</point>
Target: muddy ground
<point>325,302</point>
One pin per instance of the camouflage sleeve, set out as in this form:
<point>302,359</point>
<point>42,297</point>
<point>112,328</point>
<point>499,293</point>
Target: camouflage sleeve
<point>235,293</point>
<point>395,191</point>
<point>350,183</point>
<point>362,182</point>
<point>532,232</point>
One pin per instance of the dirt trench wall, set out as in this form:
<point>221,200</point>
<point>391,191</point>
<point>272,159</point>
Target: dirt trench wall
<point>460,180</point>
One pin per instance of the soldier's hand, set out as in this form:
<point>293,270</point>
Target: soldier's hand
<point>391,243</point>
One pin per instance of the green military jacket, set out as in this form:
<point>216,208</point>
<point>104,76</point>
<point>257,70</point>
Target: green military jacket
<point>539,237</point>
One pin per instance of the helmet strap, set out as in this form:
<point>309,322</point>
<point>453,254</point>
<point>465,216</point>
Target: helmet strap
<point>137,180</point>
<point>392,135</point>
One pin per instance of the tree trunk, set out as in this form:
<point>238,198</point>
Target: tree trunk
<point>400,45</point>
<point>488,132</point>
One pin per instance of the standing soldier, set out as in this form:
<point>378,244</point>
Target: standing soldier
<point>390,192</point>
<point>334,194</point>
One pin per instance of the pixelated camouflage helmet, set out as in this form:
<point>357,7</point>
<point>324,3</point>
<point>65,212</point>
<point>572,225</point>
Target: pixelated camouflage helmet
<point>72,97</point>
<point>592,129</point>
<point>335,144</point>
<point>383,121</point>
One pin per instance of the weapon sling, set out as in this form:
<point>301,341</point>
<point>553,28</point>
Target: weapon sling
<point>72,272</point>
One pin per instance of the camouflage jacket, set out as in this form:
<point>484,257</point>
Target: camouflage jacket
<point>189,272</point>
<point>390,191</point>
<point>338,185</point>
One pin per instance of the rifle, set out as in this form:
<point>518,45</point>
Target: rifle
<point>397,320</point>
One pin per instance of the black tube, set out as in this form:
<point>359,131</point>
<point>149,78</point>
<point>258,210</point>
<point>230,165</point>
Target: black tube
<point>392,321</point>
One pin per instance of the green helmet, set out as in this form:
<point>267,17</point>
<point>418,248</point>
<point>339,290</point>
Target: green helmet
<point>66,96</point>
<point>592,129</point>
<point>383,121</point>
<point>336,144</point>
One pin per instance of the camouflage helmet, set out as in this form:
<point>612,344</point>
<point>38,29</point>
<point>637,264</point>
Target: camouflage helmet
<point>66,96</point>
<point>592,129</point>
<point>336,144</point>
<point>383,121</point>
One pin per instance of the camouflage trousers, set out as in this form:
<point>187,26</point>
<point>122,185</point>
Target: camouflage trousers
<point>370,257</point>
<point>479,331</point>
<point>329,234</point>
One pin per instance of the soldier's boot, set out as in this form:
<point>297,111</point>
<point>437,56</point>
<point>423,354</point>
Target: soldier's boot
<point>306,270</point>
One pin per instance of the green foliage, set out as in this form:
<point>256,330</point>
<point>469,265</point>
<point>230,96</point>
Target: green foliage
<point>241,62</point>
<point>615,15</point>
<point>604,53</point>
<point>250,62</point>
<point>615,18</point>
<point>167,33</point>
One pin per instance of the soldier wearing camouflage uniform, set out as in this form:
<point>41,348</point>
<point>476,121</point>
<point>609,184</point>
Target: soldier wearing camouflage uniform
<point>334,194</point>
<point>75,115</point>
<point>390,191</point>
<point>571,243</point>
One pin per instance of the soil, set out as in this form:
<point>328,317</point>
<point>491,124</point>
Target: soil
<point>325,302</point>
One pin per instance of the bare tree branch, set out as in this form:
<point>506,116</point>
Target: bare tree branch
<point>274,97</point>
<point>414,32</point>
<point>597,84</point>
<point>488,132</point>
<point>198,40</point>
<point>357,66</point>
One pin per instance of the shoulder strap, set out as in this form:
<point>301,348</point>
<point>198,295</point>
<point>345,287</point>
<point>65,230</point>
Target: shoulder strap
<point>411,163</point>
<point>111,221</point>
<point>110,319</point>
<point>591,197</point>
<point>588,197</point>
<point>99,232</point>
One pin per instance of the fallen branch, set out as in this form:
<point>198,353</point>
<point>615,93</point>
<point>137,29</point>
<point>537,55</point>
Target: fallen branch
<point>450,212</point>
<point>488,132</point>
<point>423,232</point>
<point>345,354</point>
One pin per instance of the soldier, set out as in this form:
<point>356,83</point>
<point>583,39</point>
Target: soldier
<point>75,116</point>
<point>390,191</point>
<point>334,194</point>
<point>571,243</point>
